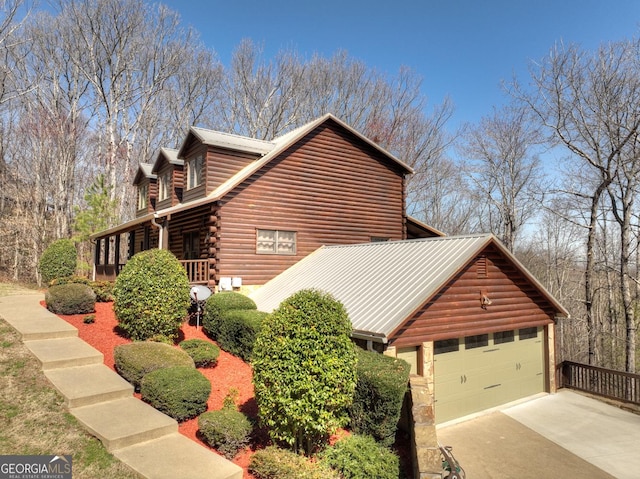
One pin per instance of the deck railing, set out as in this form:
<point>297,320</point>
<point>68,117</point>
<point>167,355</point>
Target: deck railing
<point>197,270</point>
<point>608,383</point>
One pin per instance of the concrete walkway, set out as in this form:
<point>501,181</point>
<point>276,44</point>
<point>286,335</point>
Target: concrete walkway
<point>560,435</point>
<point>136,433</point>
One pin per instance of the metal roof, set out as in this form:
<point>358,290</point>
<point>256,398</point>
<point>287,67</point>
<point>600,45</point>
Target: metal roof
<point>380,284</point>
<point>231,141</point>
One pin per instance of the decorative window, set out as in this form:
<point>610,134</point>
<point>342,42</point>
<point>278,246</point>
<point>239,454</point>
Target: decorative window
<point>275,242</point>
<point>478,341</point>
<point>446,346</point>
<point>143,196</point>
<point>194,171</point>
<point>503,337</point>
<point>164,186</point>
<point>528,333</point>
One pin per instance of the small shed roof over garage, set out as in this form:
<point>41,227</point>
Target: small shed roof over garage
<point>382,284</point>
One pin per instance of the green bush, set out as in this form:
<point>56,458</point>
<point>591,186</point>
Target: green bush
<point>380,390</point>
<point>203,353</point>
<point>151,295</point>
<point>89,319</point>
<point>70,299</point>
<point>304,369</point>
<point>58,260</point>
<point>226,430</point>
<point>275,463</point>
<point>217,304</point>
<point>103,289</point>
<point>135,360</point>
<point>361,457</point>
<point>180,392</point>
<point>238,331</point>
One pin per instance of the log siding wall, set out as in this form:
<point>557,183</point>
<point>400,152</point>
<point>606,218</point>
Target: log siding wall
<point>329,188</point>
<point>457,312</point>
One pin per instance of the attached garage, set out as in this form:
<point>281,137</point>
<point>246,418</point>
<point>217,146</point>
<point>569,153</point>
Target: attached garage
<point>462,311</point>
<point>480,372</point>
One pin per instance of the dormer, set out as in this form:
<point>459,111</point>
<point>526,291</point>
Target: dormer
<point>169,170</point>
<point>212,157</point>
<point>146,184</point>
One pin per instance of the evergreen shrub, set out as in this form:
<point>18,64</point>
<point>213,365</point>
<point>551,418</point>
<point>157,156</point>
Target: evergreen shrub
<point>227,430</point>
<point>304,367</point>
<point>151,295</point>
<point>180,392</point>
<point>273,462</point>
<point>361,457</point>
<point>103,289</point>
<point>217,304</point>
<point>70,299</point>
<point>203,353</point>
<point>380,390</point>
<point>135,360</point>
<point>58,260</point>
<point>238,331</point>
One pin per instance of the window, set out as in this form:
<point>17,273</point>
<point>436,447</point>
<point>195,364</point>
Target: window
<point>275,242</point>
<point>503,337</point>
<point>164,186</point>
<point>528,333</point>
<point>478,341</point>
<point>446,346</point>
<point>194,171</point>
<point>191,245</point>
<point>143,195</point>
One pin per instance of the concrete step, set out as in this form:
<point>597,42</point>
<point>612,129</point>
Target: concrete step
<point>31,320</point>
<point>86,385</point>
<point>124,422</point>
<point>175,456</point>
<point>64,353</point>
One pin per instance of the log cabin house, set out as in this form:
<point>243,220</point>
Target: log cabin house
<point>323,206</point>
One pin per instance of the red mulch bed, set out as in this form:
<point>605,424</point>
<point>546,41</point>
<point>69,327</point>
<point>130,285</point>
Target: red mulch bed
<point>230,371</point>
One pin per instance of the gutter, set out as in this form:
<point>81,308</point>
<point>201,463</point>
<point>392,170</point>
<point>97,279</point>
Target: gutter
<point>369,336</point>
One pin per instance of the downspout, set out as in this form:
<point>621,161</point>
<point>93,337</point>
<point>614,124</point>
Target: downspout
<point>160,232</point>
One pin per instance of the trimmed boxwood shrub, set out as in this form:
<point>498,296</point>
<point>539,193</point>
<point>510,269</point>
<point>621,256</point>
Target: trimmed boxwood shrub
<point>70,299</point>
<point>377,402</point>
<point>180,392</point>
<point>361,457</point>
<point>226,430</point>
<point>135,360</point>
<point>217,304</point>
<point>151,295</point>
<point>276,463</point>
<point>238,331</point>
<point>203,353</point>
<point>103,289</point>
<point>304,369</point>
<point>58,260</point>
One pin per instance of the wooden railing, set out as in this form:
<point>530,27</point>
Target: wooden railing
<point>197,270</point>
<point>601,382</point>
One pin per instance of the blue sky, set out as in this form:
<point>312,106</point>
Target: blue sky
<point>461,48</point>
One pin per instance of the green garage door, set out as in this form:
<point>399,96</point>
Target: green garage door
<point>484,371</point>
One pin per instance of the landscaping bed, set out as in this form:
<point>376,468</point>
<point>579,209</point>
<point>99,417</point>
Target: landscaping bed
<point>230,371</point>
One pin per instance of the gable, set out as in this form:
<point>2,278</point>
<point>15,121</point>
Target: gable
<point>492,293</point>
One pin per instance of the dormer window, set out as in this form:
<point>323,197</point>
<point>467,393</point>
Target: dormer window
<point>143,196</point>
<point>194,171</point>
<point>164,186</point>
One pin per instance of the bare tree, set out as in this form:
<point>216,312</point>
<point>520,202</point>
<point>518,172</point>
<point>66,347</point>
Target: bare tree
<point>589,104</point>
<point>505,170</point>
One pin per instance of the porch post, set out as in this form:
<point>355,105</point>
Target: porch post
<point>117,255</point>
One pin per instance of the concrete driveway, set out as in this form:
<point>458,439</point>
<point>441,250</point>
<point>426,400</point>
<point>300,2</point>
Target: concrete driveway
<point>559,435</point>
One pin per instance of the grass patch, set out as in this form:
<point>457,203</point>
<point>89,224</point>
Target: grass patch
<point>34,419</point>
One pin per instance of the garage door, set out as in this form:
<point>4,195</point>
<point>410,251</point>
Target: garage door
<point>484,371</point>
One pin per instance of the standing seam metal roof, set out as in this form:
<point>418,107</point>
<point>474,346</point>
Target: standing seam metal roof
<point>380,284</point>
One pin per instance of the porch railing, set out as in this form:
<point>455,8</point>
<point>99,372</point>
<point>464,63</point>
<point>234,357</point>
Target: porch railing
<point>197,270</point>
<point>608,383</point>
